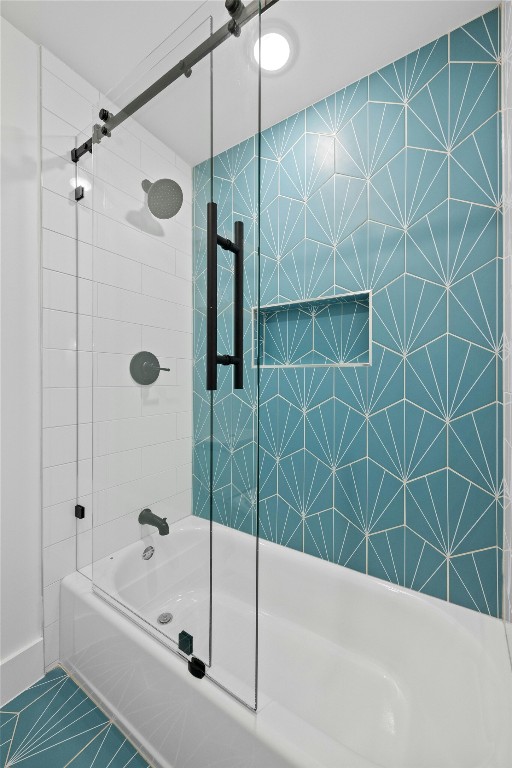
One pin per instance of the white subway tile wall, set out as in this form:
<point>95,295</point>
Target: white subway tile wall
<point>107,442</point>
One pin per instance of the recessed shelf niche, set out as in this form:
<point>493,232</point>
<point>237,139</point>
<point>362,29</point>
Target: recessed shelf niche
<point>331,330</point>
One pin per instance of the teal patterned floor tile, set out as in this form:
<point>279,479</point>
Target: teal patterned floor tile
<point>54,724</point>
<point>109,750</point>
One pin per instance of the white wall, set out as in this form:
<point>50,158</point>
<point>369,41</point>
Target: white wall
<point>507,307</point>
<point>132,446</point>
<point>21,645</point>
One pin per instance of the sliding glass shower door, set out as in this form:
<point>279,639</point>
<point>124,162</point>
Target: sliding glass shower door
<point>174,389</point>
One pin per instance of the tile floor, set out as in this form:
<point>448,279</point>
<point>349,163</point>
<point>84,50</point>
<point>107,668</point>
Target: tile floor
<point>54,724</point>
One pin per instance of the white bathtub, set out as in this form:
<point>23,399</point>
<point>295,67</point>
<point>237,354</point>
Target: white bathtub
<point>353,672</point>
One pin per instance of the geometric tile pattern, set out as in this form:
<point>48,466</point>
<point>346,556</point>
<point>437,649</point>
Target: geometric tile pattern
<point>317,332</point>
<point>393,185</point>
<point>54,724</point>
<point>507,315</point>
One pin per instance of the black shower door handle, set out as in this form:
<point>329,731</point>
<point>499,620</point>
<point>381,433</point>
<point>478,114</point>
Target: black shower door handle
<point>213,359</point>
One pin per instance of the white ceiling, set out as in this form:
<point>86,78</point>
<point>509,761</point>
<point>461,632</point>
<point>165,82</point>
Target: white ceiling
<point>334,43</point>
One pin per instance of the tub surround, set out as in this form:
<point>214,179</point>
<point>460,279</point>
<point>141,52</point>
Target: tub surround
<point>393,185</point>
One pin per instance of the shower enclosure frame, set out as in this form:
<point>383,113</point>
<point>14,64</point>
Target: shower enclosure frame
<point>240,16</point>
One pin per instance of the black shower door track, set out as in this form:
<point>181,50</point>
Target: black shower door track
<point>240,15</point>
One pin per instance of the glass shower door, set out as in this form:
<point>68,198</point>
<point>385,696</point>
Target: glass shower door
<point>174,499</point>
<point>234,401</point>
<point>151,558</point>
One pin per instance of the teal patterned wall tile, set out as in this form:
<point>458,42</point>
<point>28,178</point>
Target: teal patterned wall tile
<point>474,166</point>
<point>385,508</point>
<point>472,516</point>
<point>336,210</point>
<point>472,451</point>
<point>385,379</point>
<point>306,272</point>
<point>425,442</point>
<point>386,255</point>
<point>351,261</point>
<point>223,195</point>
<point>425,312</point>
<point>427,182</point>
<point>472,307</point>
<point>425,567</point>
<point>351,493</point>
<point>404,78</point>
<point>427,245</point>
<point>306,166</point>
<point>474,581</point>
<point>243,510</point>
<point>473,98</point>
<point>318,535</point>
<point>390,185</point>
<point>473,238</point>
<point>350,437</point>
<point>427,116</point>
<point>290,474</point>
<point>330,114</point>
<point>386,439</point>
<point>267,474</point>
<point>389,316</point>
<point>351,146</point>
<point>278,139</point>
<point>386,134</point>
<point>269,181</point>
<point>387,193</point>
<point>427,509</point>
<point>280,523</point>
<point>306,387</point>
<point>471,377</point>
<point>282,227</point>
<point>349,544</point>
<point>426,377</point>
<point>477,41</point>
<point>318,492</point>
<point>230,163</point>
<point>386,555</point>
<point>350,387</point>
<point>245,192</point>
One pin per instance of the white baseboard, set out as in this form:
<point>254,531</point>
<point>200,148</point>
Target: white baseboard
<point>21,670</point>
